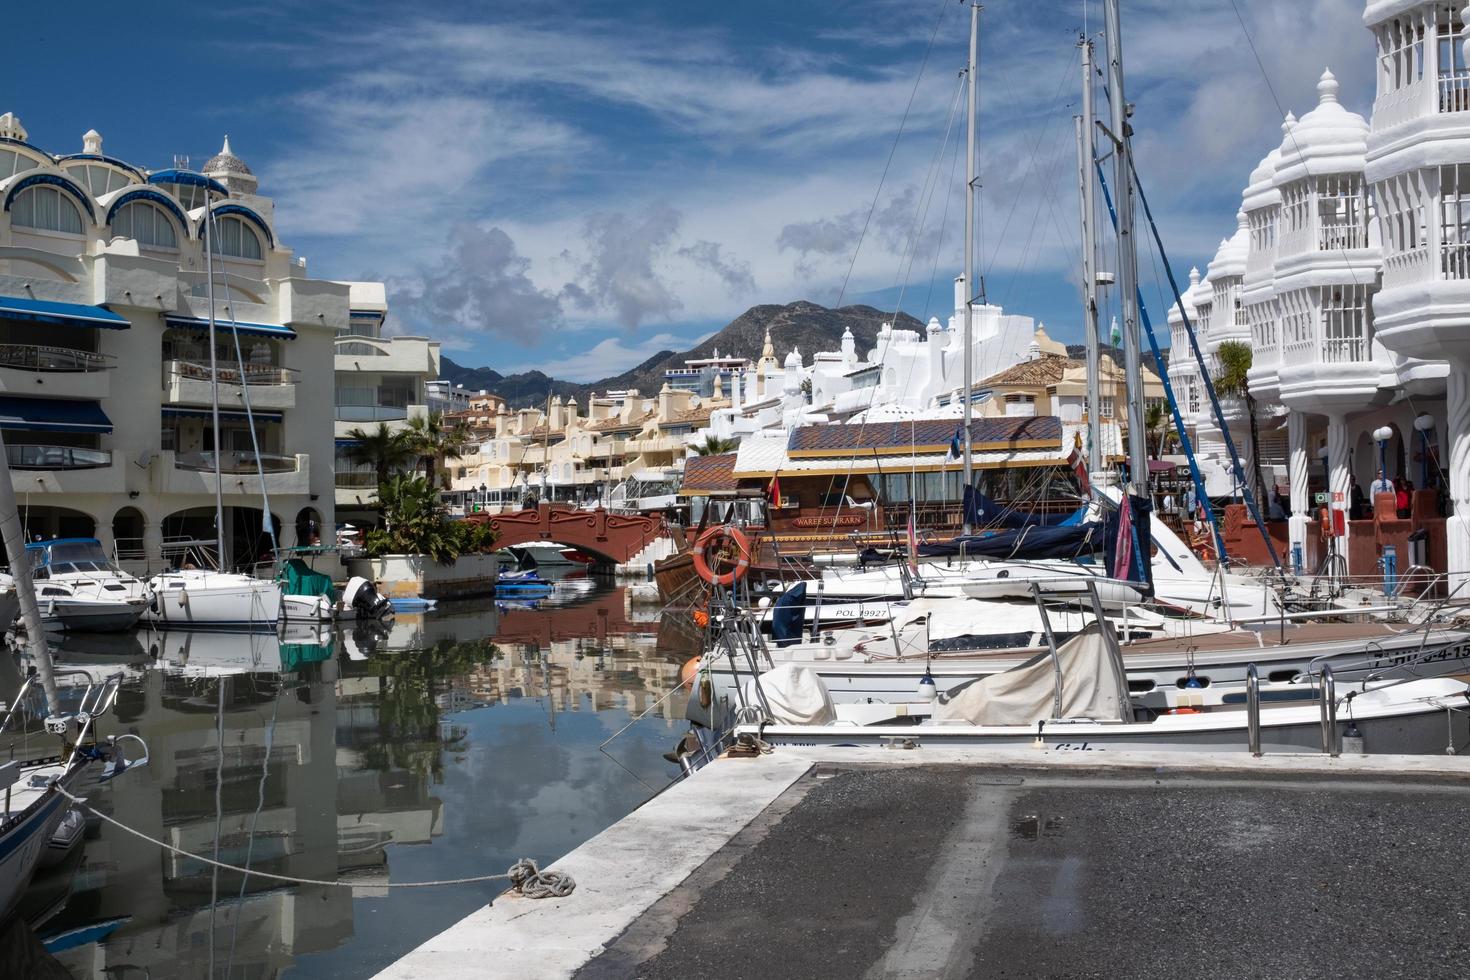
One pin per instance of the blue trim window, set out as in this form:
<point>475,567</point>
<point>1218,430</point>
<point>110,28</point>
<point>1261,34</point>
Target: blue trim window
<point>238,239</point>
<point>98,179</point>
<point>145,223</point>
<point>13,162</point>
<point>47,209</point>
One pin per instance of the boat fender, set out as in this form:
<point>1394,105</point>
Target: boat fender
<point>1183,711</point>
<point>709,537</point>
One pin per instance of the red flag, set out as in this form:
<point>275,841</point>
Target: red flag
<point>913,535</point>
<point>775,491</point>
<point>1123,555</point>
<point>1078,461</point>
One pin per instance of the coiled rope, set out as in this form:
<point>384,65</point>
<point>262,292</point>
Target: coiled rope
<point>524,876</point>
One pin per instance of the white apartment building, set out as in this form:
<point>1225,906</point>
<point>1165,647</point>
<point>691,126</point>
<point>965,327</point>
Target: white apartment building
<point>1354,290</point>
<point>379,379</point>
<point>104,354</point>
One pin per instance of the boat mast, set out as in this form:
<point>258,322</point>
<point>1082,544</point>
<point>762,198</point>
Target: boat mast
<point>1127,253</point>
<point>970,72</point>
<point>1085,158</point>
<point>25,589</point>
<point>219,498</point>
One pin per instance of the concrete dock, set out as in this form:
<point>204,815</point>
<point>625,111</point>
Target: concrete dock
<point>847,862</point>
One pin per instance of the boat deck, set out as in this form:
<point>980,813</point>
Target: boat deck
<point>1025,863</point>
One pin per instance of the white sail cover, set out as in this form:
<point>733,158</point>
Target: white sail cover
<point>796,696</point>
<point>1025,694</point>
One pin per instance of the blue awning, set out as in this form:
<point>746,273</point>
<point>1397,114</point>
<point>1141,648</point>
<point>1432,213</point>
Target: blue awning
<point>52,415</point>
<point>188,178</point>
<point>225,414</point>
<point>71,314</point>
<point>223,326</point>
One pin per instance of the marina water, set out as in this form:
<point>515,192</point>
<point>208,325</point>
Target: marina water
<point>453,745</point>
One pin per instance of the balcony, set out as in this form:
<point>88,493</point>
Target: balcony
<point>371,413</point>
<point>269,387</point>
<point>58,371</point>
<point>193,473</point>
<point>353,480</point>
<point>56,458</point>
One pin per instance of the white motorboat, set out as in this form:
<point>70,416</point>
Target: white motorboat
<point>79,588</point>
<point>197,598</point>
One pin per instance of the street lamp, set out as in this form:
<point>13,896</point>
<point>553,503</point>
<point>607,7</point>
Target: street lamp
<point>1424,424</point>
<point>1381,435</point>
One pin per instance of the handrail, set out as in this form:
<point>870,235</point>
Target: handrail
<point>26,457</point>
<point>1327,701</point>
<point>237,461</point>
<point>252,374</point>
<point>1253,710</point>
<point>39,357</point>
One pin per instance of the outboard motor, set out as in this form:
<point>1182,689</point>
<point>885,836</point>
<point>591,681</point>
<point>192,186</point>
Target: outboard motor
<point>363,597</point>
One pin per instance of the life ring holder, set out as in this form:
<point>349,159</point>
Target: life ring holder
<point>709,537</point>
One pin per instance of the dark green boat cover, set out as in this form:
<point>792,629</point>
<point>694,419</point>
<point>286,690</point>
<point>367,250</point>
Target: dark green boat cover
<point>299,578</point>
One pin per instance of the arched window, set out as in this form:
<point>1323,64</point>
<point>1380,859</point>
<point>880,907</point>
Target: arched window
<point>145,223</point>
<point>237,238</point>
<point>97,179</point>
<point>45,208</point>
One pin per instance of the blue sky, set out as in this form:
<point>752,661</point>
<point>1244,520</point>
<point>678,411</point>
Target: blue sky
<point>574,186</point>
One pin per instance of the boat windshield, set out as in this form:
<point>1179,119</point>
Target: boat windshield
<point>86,556</point>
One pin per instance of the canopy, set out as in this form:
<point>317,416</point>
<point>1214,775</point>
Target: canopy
<point>68,314</point>
<point>222,325</point>
<point>52,415</point>
<point>231,414</point>
<point>300,578</point>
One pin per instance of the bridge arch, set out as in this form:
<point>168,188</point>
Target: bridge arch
<point>616,538</point>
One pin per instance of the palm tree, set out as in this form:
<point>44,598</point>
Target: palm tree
<point>1232,381</point>
<point>436,441</point>
<point>1155,423</point>
<point>385,450</point>
<point>716,446</point>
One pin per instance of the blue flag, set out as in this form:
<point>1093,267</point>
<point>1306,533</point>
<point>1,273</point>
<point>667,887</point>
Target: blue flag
<point>956,445</point>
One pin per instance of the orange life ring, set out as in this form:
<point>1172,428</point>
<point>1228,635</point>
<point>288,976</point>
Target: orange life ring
<point>709,537</point>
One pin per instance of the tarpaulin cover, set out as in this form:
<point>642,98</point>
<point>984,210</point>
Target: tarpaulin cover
<point>1030,543</point>
<point>795,695</point>
<point>981,511</point>
<point>300,578</point>
<point>788,614</point>
<point>1027,693</point>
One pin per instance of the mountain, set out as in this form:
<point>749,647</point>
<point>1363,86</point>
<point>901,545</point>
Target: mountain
<point>806,326</point>
<point>1079,351</point>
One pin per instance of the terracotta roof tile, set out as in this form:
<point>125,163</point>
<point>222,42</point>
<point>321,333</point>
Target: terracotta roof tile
<point>709,474</point>
<point>1045,370</point>
<point>858,437</point>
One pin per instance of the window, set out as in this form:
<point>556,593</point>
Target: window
<point>1342,211</point>
<point>1105,406</point>
<point>1454,79</point>
<point>1295,213</point>
<point>1345,335</point>
<point>1402,62</point>
<point>12,163</point>
<point>147,224</point>
<point>1454,220</point>
<point>1400,203</point>
<point>1262,224</point>
<point>237,238</point>
<point>46,208</point>
<point>98,180</point>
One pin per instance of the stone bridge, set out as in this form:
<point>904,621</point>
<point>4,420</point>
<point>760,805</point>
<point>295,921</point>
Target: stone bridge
<point>617,538</point>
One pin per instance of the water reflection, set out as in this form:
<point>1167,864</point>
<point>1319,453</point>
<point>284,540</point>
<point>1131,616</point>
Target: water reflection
<point>450,744</point>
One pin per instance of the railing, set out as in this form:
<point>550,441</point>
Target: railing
<point>1327,701</point>
<point>1405,267</point>
<point>56,458</point>
<point>371,413</point>
<point>1346,350</point>
<point>1454,92</point>
<point>1393,108</point>
<point>1298,352</point>
<point>1332,238</point>
<point>253,374</point>
<point>236,462</point>
<point>28,357</point>
<point>348,480</point>
<point>1454,260</point>
<point>1253,710</point>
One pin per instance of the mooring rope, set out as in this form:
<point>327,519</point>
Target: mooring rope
<point>524,875</point>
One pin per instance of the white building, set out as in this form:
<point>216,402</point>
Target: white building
<point>386,380</point>
<point>104,357</point>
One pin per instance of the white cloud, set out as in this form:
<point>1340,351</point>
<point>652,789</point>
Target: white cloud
<point>609,357</point>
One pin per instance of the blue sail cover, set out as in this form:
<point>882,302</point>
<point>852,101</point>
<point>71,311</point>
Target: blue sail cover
<point>981,511</point>
<point>1025,543</point>
<point>787,615</point>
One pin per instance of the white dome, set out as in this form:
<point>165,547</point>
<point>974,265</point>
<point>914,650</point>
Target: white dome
<point>1327,140</point>
<point>1202,294</point>
<point>1261,190</point>
<point>1188,296</point>
<point>793,359</point>
<point>1230,257</point>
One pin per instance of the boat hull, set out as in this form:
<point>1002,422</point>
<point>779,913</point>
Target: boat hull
<point>88,616</point>
<point>25,843</point>
<point>253,606</point>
